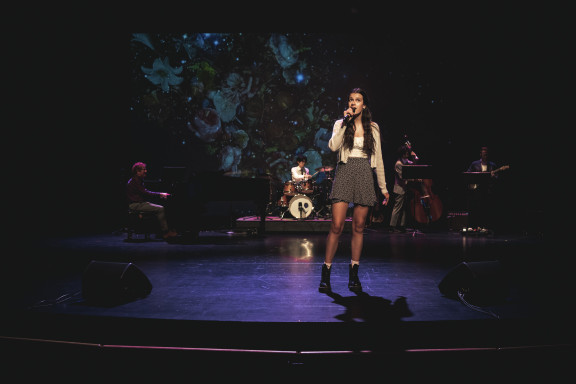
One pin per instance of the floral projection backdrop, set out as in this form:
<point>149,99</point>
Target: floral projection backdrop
<point>241,103</point>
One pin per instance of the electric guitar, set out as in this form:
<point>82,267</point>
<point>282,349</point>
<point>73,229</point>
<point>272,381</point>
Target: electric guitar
<point>493,172</point>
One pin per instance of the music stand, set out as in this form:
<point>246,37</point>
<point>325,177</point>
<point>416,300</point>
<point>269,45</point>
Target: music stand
<point>476,177</point>
<point>417,172</point>
<point>478,184</point>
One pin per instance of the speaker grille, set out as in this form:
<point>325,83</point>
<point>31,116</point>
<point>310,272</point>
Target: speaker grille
<point>109,283</point>
<point>482,282</point>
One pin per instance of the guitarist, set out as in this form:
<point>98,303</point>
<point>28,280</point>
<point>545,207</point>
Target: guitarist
<point>484,164</point>
<point>482,196</point>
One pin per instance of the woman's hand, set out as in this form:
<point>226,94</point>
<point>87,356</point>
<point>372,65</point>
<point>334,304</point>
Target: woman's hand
<point>386,198</point>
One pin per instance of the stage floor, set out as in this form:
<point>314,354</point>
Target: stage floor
<point>238,292</point>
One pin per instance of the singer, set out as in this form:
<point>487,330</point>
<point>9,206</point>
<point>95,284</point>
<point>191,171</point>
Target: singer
<point>356,139</point>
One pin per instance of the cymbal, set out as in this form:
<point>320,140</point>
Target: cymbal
<point>325,169</point>
<point>269,177</point>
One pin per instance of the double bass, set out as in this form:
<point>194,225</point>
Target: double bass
<point>425,205</point>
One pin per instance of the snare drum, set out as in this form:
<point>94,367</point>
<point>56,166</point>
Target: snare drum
<point>289,188</point>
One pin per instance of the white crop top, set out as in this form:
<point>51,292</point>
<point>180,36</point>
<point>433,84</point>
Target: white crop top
<point>357,149</point>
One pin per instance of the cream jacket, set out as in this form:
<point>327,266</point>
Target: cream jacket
<point>336,144</point>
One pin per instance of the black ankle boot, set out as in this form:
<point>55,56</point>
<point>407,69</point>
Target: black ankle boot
<point>353,281</point>
<point>325,280</point>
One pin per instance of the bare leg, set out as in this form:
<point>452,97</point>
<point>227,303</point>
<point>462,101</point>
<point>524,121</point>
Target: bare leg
<point>358,224</point>
<point>336,228</point>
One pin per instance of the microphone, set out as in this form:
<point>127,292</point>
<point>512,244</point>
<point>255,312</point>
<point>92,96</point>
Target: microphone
<point>348,116</point>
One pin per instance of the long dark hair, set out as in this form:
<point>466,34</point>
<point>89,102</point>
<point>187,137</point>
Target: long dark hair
<point>366,123</point>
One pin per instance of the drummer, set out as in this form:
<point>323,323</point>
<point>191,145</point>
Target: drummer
<point>300,172</point>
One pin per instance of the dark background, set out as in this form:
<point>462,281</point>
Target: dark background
<point>452,79</point>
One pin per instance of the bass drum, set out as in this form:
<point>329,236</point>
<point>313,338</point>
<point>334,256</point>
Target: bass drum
<point>301,206</point>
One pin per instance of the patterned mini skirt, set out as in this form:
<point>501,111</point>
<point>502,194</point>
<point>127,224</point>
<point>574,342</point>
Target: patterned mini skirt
<point>354,183</point>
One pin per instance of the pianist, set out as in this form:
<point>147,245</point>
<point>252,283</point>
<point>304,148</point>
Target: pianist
<point>138,197</point>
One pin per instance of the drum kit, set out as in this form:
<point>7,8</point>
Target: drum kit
<point>307,197</point>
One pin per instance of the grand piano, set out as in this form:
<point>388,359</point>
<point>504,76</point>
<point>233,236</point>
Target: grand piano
<point>188,206</point>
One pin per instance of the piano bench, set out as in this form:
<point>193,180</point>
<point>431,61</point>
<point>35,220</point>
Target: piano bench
<point>141,223</point>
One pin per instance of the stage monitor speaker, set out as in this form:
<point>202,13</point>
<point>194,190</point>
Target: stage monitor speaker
<point>111,283</point>
<point>480,282</point>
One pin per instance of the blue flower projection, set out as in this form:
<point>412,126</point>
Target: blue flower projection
<point>163,74</point>
<point>245,103</point>
<point>248,103</point>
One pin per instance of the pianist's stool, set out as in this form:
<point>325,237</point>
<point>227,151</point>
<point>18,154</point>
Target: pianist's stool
<point>141,223</point>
